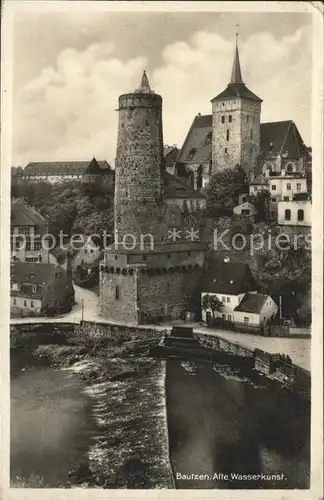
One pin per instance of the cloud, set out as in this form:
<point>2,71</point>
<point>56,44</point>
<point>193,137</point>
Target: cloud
<point>68,111</point>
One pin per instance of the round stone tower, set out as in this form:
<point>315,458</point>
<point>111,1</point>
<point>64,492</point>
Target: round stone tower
<point>139,162</point>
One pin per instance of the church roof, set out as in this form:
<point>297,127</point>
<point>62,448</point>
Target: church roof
<point>280,138</point>
<point>197,145</point>
<point>283,135</point>
<point>176,188</point>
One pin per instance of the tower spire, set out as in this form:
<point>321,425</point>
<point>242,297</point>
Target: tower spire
<point>144,85</point>
<point>236,76</point>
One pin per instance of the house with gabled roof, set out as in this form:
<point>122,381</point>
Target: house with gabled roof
<point>40,289</point>
<point>228,281</point>
<point>242,306</point>
<point>28,230</point>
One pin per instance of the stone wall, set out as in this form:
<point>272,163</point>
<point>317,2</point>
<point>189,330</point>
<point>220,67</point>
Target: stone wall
<point>238,147</point>
<point>139,163</point>
<point>166,295</point>
<point>118,297</point>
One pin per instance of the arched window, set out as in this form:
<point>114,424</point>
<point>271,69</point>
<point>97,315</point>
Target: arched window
<point>300,215</point>
<point>287,214</point>
<point>227,135</point>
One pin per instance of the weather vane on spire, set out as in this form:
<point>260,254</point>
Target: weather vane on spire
<point>237,31</point>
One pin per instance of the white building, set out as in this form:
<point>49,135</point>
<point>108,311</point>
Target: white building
<point>283,187</point>
<point>295,212</point>
<point>255,310</point>
<point>228,281</point>
<point>245,208</point>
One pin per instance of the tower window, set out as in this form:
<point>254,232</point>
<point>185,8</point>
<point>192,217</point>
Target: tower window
<point>117,293</point>
<point>223,119</point>
<point>251,150</point>
<point>227,135</point>
<point>247,118</point>
<point>225,150</point>
<point>146,122</point>
<point>230,118</point>
<point>251,135</point>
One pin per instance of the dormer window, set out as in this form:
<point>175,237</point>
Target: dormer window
<point>191,153</point>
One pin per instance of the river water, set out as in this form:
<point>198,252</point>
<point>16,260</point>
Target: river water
<point>230,425</point>
<point>216,425</point>
<point>51,425</point>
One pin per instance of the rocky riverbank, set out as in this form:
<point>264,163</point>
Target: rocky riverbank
<point>126,386</point>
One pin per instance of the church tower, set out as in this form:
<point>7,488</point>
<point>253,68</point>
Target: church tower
<point>236,123</point>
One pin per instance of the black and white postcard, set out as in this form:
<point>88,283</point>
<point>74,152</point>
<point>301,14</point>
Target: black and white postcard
<point>161,250</point>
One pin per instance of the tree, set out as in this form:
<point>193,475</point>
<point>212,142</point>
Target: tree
<point>261,202</point>
<point>223,189</point>
<point>213,303</point>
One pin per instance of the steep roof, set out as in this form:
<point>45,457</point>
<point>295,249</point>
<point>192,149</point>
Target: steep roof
<point>280,138</point>
<point>252,303</point>
<point>283,135</point>
<point>237,90</point>
<point>176,188</point>
<point>230,278</point>
<point>61,168</point>
<point>197,145</point>
<point>236,76</point>
<point>24,215</point>
<point>30,272</point>
<point>94,168</point>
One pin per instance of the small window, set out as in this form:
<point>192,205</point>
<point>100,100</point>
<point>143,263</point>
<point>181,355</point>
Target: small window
<point>300,215</point>
<point>251,135</point>
<point>229,317</point>
<point>288,186</point>
<point>34,288</point>
<point>286,198</point>
<point>223,119</point>
<point>223,299</point>
<point>224,316</point>
<point>251,150</point>
<point>228,299</point>
<point>273,187</point>
<point>117,293</point>
<point>287,214</point>
<point>246,320</point>
<point>227,135</point>
<point>230,118</point>
<point>91,251</point>
<point>273,200</point>
<point>25,303</point>
<point>225,150</point>
<point>37,246</point>
<point>189,254</point>
<point>298,187</point>
<point>85,250</point>
<point>247,118</point>
<point>116,257</point>
<point>14,302</point>
<point>32,304</point>
<point>245,212</point>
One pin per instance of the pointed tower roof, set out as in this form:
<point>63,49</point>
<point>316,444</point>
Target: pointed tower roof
<point>236,87</point>
<point>144,87</point>
<point>236,76</point>
<point>93,167</point>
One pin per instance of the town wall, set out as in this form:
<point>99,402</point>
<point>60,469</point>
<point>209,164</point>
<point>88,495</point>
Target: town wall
<point>118,297</point>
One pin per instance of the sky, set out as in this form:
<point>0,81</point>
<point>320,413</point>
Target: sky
<point>69,70</point>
